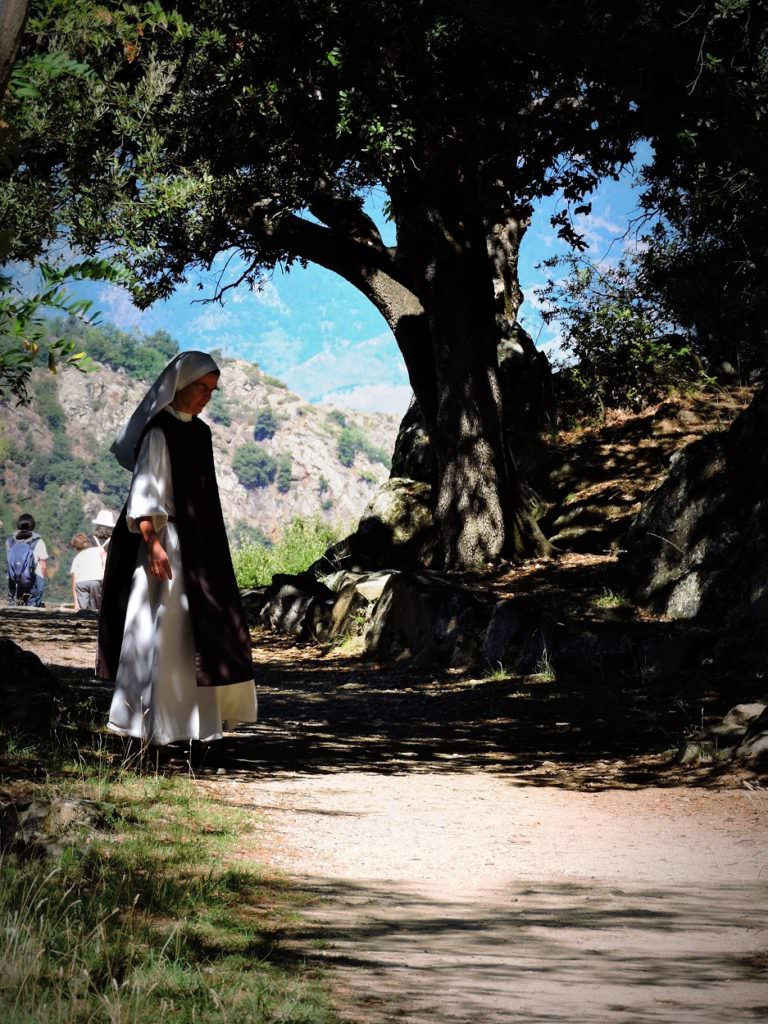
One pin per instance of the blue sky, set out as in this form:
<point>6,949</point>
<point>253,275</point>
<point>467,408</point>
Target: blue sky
<point>320,335</point>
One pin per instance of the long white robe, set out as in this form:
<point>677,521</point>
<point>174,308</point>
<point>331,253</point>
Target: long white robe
<point>156,696</point>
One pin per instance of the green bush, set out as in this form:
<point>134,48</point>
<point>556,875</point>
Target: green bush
<point>218,409</point>
<point>353,440</point>
<point>253,466</point>
<point>622,352</point>
<point>302,543</point>
<point>283,473</point>
<point>266,424</point>
<point>243,535</point>
<point>337,416</point>
<point>104,475</point>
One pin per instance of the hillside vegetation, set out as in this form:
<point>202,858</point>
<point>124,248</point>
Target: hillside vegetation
<point>278,457</point>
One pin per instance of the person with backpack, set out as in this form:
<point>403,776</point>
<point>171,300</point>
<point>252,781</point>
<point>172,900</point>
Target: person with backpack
<point>26,559</point>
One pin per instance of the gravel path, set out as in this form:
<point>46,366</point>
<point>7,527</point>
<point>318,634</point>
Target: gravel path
<point>458,876</point>
<point>472,898</point>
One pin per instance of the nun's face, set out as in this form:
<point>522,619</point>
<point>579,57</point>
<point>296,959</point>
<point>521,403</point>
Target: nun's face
<point>195,396</point>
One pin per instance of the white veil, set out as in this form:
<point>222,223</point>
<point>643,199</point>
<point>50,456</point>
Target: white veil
<point>181,371</point>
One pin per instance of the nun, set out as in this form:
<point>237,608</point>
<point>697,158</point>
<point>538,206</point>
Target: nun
<point>172,634</point>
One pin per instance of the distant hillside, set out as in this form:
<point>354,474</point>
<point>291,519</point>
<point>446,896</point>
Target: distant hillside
<point>278,457</point>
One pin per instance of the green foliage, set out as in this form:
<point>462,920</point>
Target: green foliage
<point>218,408</point>
<point>244,535</point>
<point>337,416</point>
<point>352,440</point>
<point>266,424</point>
<point>283,473</point>
<point>253,466</point>
<point>104,475</point>
<point>622,351</point>
<point>302,543</point>
<point>24,332</point>
<point>142,357</point>
<point>322,485</point>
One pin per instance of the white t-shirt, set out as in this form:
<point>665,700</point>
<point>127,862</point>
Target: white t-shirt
<point>88,565</point>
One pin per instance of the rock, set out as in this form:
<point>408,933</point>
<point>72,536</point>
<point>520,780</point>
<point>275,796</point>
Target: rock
<point>519,638</point>
<point>45,828</point>
<point>298,605</point>
<point>738,720</point>
<point>30,694</point>
<point>253,603</point>
<point>396,531</point>
<point>753,748</point>
<point>427,619</point>
<point>699,547</point>
<point>741,734</point>
<point>349,613</point>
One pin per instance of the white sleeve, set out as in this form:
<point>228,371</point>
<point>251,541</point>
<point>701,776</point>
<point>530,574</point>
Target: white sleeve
<point>151,492</point>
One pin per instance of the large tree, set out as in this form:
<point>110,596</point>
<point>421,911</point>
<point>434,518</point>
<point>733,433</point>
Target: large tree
<point>696,74</point>
<point>258,128</point>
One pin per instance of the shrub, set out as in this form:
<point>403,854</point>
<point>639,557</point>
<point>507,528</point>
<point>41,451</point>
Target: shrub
<point>218,409</point>
<point>253,466</point>
<point>243,535</point>
<point>351,441</point>
<point>266,424</point>
<point>337,416</point>
<point>302,543</point>
<point>283,473</point>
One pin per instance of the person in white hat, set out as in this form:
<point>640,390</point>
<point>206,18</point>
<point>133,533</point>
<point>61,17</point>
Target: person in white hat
<point>105,524</point>
<point>172,632</point>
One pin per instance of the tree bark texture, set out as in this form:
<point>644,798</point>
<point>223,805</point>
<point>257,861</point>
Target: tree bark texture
<point>13,14</point>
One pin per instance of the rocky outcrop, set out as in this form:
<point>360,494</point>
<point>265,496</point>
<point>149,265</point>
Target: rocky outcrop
<point>429,620</point>
<point>741,735</point>
<point>396,531</point>
<point>699,547</point>
<point>30,694</point>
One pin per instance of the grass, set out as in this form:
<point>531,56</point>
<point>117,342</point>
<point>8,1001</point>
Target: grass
<point>610,599</point>
<point>151,917</point>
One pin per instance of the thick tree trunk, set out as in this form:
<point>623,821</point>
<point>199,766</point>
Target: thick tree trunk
<point>13,14</point>
<point>479,508</point>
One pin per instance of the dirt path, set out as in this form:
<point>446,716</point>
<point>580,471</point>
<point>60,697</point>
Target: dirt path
<point>461,876</point>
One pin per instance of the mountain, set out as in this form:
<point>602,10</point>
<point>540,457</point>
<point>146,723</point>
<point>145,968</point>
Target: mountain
<point>277,456</point>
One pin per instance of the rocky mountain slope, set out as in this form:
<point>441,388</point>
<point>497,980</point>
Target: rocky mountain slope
<point>322,462</point>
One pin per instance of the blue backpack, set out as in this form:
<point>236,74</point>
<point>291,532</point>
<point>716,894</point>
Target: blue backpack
<point>21,567</point>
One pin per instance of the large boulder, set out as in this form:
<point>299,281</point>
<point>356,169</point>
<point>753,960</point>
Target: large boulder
<point>30,694</point>
<point>428,619</point>
<point>699,547</point>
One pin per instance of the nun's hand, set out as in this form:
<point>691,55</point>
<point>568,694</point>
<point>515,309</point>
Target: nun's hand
<point>158,563</point>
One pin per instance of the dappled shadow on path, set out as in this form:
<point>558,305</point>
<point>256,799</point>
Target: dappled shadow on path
<point>616,722</point>
<point>549,951</point>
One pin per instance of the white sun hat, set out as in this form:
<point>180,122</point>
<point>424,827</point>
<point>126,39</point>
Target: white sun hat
<point>104,518</point>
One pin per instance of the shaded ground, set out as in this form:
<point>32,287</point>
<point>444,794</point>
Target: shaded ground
<point>491,848</point>
<point>487,850</point>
